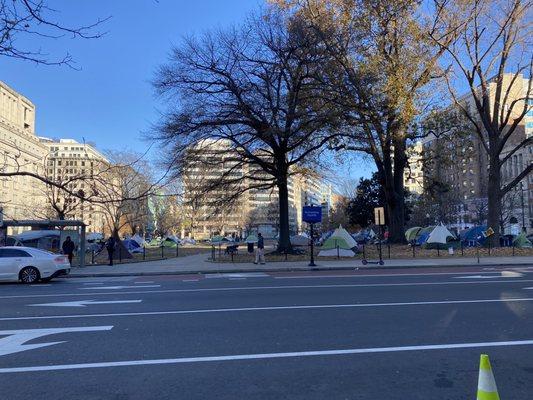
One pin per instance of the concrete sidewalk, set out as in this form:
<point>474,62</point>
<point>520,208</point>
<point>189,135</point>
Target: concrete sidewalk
<point>198,264</point>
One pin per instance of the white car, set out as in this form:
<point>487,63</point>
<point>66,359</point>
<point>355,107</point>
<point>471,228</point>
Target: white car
<point>28,265</point>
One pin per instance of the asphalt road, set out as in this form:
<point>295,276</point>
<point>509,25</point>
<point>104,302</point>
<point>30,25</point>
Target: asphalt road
<point>330,335</point>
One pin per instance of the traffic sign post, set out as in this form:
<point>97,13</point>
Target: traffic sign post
<point>312,261</point>
<point>312,215</point>
<point>379,219</point>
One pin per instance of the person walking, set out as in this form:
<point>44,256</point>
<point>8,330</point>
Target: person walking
<point>110,246</point>
<point>68,249</point>
<point>260,252</point>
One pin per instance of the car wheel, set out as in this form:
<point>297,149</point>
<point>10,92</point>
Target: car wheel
<point>29,275</point>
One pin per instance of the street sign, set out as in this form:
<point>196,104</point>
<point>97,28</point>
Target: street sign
<point>488,232</point>
<point>312,214</point>
<point>379,216</point>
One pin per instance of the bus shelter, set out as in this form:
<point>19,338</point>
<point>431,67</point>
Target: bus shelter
<point>38,225</point>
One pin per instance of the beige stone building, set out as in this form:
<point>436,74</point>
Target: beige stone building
<point>66,158</point>
<point>21,197</point>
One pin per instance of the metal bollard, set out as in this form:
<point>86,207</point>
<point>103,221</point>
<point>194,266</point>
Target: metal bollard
<point>120,255</point>
<point>388,246</point>
<point>462,252</point>
<point>413,246</point>
<point>162,251</point>
<point>144,252</point>
<point>92,256</point>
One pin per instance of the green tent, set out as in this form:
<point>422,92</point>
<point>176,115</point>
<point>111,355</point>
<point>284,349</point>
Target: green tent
<point>333,241</point>
<point>216,239</point>
<point>168,243</point>
<point>251,238</point>
<point>522,241</point>
<point>411,233</point>
<point>154,243</point>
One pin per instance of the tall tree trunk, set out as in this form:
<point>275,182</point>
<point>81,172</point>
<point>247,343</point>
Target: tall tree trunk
<point>284,243</point>
<point>495,199</point>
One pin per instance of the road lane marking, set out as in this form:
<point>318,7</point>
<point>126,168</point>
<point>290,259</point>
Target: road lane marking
<point>118,287</point>
<point>268,308</point>
<point>379,275</point>
<point>83,303</point>
<point>94,283</point>
<point>238,275</point>
<point>284,287</point>
<point>262,356</point>
<point>478,277</point>
<point>14,342</point>
<point>41,285</point>
<point>141,282</point>
<point>190,280</point>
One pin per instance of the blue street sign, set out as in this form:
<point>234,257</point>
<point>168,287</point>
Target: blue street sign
<point>312,214</point>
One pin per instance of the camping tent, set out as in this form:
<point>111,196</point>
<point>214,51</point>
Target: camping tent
<point>473,235</point>
<point>132,246</point>
<point>340,232</point>
<point>439,234</point>
<point>92,236</point>
<point>299,240</point>
<point>140,241</point>
<point>423,235</point>
<point>169,242</point>
<point>336,245</point>
<point>522,241</point>
<point>154,243</point>
<point>411,233</point>
<point>251,238</point>
<point>187,240</point>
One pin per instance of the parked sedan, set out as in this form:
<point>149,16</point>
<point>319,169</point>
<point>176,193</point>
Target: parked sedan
<point>29,265</point>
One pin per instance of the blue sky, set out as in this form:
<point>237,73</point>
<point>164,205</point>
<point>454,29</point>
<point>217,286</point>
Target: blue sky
<point>110,100</point>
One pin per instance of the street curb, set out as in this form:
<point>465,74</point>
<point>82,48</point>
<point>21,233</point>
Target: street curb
<point>289,269</point>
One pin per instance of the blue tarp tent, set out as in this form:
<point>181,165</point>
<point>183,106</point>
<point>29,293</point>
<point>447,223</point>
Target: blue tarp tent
<point>474,235</point>
<point>132,246</point>
<point>423,235</point>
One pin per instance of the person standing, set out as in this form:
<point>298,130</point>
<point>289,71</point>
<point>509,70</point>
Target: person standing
<point>110,246</point>
<point>68,249</point>
<point>260,252</point>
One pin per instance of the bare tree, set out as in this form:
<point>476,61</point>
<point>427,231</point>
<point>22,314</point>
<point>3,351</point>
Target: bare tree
<point>387,67</point>
<point>123,191</point>
<point>256,88</point>
<point>34,21</point>
<point>485,39</point>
